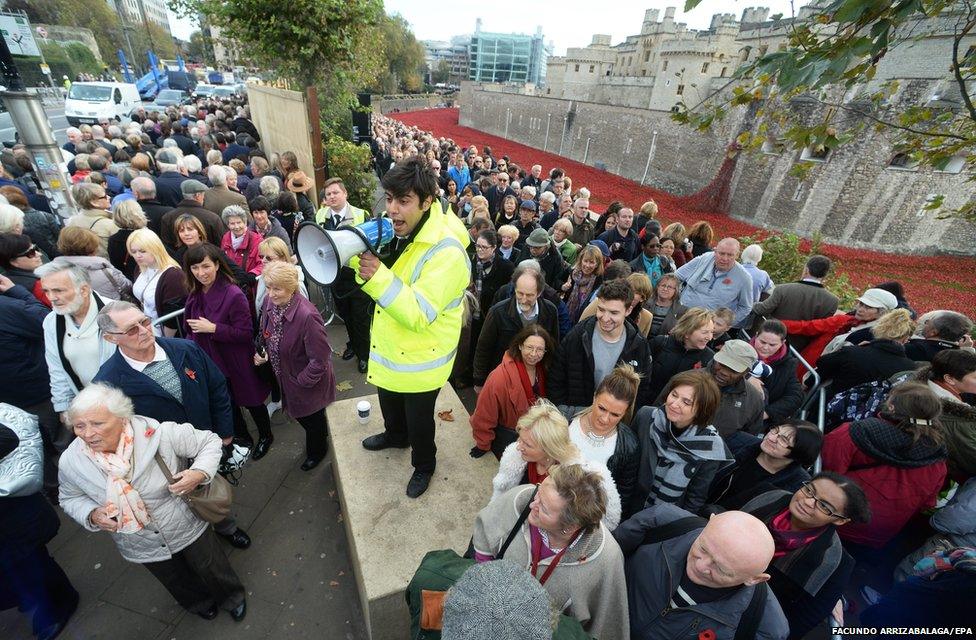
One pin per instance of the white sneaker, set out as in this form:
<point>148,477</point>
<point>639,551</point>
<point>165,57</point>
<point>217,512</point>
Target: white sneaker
<point>273,407</point>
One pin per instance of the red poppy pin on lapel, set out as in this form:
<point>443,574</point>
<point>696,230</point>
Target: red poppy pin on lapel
<point>727,281</point>
<point>190,373</point>
<point>707,634</point>
<point>149,432</point>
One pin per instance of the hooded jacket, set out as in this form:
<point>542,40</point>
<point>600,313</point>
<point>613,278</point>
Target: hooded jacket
<point>653,572</point>
<point>899,477</point>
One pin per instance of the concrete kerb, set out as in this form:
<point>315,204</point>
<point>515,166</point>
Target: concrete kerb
<point>388,533</point>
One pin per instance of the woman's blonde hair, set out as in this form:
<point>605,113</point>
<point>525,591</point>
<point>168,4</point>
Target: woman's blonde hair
<point>281,274</point>
<point>649,209</point>
<point>584,494</point>
<point>148,241</point>
<point>550,429</point>
<point>277,246</point>
<point>676,231</point>
<point>128,214</point>
<point>479,204</point>
<point>507,229</point>
<point>641,285</point>
<point>691,321</point>
<point>894,325</point>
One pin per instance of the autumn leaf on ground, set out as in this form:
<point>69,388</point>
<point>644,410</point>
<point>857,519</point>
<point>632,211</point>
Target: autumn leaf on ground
<point>447,415</point>
<point>345,385</point>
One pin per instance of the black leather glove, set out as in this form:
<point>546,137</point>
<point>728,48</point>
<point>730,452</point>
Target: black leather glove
<point>476,452</point>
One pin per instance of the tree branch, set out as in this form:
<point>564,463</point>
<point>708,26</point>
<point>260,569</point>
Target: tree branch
<point>873,118</point>
<point>957,72</point>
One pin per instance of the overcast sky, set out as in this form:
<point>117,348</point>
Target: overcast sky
<point>571,24</point>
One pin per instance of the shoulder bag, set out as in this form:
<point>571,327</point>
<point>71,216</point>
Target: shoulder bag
<point>210,502</point>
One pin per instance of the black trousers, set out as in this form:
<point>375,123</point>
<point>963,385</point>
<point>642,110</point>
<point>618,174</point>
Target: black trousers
<point>259,413</point>
<point>316,428</point>
<point>35,583</point>
<point>409,418</point>
<point>200,575</point>
<point>356,310</point>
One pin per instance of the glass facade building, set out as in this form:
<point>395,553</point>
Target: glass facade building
<point>507,58</point>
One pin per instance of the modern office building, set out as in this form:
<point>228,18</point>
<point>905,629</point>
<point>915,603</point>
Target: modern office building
<point>507,58</point>
<point>135,11</point>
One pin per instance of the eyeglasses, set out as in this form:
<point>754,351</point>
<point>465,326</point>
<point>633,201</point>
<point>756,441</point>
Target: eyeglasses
<point>539,350</point>
<point>30,253</point>
<point>810,492</point>
<point>781,437</point>
<point>133,331</point>
<point>483,247</point>
<point>102,197</point>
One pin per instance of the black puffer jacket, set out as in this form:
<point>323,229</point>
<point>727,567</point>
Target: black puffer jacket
<point>502,323</point>
<point>851,366</point>
<point>784,393</point>
<point>671,357</point>
<point>623,465</point>
<point>571,372</point>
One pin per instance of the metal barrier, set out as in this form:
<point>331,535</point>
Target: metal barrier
<point>169,316</point>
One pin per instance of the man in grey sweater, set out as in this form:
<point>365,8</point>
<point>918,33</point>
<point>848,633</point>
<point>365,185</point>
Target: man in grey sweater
<point>715,279</point>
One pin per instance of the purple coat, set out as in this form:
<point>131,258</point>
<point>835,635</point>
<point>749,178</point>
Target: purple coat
<point>231,346</point>
<point>307,381</point>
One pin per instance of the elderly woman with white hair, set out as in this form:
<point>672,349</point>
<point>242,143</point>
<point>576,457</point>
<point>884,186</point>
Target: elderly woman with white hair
<point>112,479</point>
<point>762,284</point>
<point>562,229</point>
<point>241,243</point>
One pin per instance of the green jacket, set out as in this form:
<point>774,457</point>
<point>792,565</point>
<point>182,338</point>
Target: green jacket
<point>437,573</point>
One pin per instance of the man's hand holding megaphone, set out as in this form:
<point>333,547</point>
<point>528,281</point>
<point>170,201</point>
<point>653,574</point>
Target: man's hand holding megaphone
<point>368,265</point>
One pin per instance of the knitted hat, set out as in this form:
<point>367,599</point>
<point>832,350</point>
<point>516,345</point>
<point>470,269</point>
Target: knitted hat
<point>497,600</point>
<point>538,238</point>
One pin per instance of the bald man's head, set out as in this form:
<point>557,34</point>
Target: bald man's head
<point>734,549</point>
<point>726,252</point>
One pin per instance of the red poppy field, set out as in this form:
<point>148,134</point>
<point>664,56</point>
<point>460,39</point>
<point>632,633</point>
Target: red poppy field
<point>930,282</point>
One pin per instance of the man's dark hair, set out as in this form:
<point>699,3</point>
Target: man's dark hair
<point>411,175</point>
<point>482,223</point>
<point>818,266</point>
<point>957,363</point>
<point>950,326</point>
<point>807,442</point>
<point>259,203</point>
<point>616,290</point>
<point>488,235</point>
<point>617,270</point>
<point>653,227</point>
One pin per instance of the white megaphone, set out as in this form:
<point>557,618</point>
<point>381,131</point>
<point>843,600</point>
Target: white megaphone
<point>322,253</point>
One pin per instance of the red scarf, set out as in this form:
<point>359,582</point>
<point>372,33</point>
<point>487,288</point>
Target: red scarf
<point>943,385</point>
<point>535,477</point>
<point>540,375</point>
<point>786,539</point>
<point>776,357</point>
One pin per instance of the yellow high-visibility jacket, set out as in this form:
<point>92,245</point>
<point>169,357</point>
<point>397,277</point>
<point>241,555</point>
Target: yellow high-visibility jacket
<point>324,214</point>
<point>419,305</point>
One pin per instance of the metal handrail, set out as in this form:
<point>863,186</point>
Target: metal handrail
<point>169,316</point>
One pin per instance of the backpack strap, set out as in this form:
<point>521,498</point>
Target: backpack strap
<point>518,526</point>
<point>752,617</point>
<point>674,529</point>
<point>60,328</point>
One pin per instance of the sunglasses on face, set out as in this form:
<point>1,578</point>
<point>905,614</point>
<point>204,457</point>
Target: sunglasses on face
<point>30,253</point>
<point>133,331</point>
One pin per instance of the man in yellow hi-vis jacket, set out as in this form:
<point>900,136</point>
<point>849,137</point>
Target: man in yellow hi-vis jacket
<point>419,291</point>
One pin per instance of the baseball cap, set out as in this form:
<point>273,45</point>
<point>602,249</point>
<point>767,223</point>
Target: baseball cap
<point>497,601</point>
<point>527,204</point>
<point>737,355</point>
<point>191,187</point>
<point>538,238</point>
<point>879,299</point>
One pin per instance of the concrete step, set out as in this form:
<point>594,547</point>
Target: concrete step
<point>389,533</point>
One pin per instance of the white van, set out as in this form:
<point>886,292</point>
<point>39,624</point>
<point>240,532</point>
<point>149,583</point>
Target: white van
<point>90,102</point>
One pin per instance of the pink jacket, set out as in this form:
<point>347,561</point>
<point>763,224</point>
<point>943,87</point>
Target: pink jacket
<point>246,257</point>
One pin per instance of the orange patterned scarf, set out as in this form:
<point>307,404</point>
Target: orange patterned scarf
<point>122,500</point>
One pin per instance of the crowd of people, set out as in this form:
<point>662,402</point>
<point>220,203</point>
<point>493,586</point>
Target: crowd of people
<point>641,384</point>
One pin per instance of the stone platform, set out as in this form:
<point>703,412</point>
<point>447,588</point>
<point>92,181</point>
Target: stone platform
<point>389,533</point>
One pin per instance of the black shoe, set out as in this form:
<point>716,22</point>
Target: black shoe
<point>238,539</point>
<point>238,612</point>
<point>348,354</point>
<point>380,441</point>
<point>261,449</point>
<point>310,463</point>
<point>210,613</point>
<point>51,632</point>
<point>363,365</point>
<point>418,484</point>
